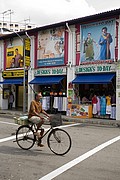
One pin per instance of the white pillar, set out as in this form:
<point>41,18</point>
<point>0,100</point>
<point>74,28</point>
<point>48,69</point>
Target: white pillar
<point>31,72</point>
<point>118,91</point>
<point>71,56</point>
<point>118,77</point>
<point>119,38</point>
<point>3,102</point>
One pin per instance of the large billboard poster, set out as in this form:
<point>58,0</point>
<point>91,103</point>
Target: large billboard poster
<point>50,51</point>
<point>15,53</point>
<point>14,57</point>
<point>97,41</point>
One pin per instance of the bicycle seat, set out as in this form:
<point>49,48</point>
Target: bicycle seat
<point>30,122</point>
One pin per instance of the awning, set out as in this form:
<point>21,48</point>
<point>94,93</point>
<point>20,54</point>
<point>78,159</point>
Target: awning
<point>12,81</point>
<point>46,80</point>
<point>103,78</point>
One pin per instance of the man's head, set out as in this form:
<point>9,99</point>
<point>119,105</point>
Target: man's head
<point>38,96</point>
<point>16,50</point>
<point>104,30</point>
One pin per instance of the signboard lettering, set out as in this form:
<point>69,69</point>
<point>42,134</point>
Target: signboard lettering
<point>50,71</point>
<point>17,73</point>
<point>94,69</point>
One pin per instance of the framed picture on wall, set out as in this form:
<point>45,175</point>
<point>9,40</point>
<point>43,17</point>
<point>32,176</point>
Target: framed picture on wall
<point>6,92</point>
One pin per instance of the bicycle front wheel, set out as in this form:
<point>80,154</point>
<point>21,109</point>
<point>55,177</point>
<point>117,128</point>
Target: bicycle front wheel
<point>59,141</point>
<point>25,137</point>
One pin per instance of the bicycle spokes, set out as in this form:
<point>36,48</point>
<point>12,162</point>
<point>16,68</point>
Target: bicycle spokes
<point>59,141</point>
<point>25,137</point>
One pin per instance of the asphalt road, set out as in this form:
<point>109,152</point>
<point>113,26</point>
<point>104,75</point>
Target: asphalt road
<point>92,156</point>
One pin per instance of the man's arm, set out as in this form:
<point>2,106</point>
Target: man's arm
<point>45,113</point>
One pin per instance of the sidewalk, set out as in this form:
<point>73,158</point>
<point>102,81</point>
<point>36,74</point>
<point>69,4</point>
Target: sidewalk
<point>66,119</point>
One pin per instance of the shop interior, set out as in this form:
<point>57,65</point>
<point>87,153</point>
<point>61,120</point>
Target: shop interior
<point>54,97</point>
<point>84,94</point>
<point>17,91</point>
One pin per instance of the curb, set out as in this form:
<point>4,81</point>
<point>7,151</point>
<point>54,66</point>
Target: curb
<point>92,121</point>
<point>70,120</point>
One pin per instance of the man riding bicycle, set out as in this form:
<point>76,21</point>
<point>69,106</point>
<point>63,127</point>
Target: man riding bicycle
<point>36,115</point>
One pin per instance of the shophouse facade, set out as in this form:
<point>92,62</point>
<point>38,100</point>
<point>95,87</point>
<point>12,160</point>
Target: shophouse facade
<point>13,52</point>
<point>66,61</point>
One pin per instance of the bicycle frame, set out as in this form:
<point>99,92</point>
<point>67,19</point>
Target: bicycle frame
<point>50,129</point>
<point>58,140</point>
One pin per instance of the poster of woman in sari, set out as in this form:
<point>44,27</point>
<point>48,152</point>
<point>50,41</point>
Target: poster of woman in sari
<point>97,41</point>
<point>89,48</point>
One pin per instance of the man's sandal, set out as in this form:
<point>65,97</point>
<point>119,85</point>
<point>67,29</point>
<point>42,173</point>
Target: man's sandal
<point>40,145</point>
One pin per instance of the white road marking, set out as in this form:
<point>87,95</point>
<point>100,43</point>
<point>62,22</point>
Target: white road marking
<point>7,139</point>
<point>62,126</point>
<point>69,125</point>
<point>3,122</point>
<point>10,137</point>
<point>13,137</point>
<point>79,159</point>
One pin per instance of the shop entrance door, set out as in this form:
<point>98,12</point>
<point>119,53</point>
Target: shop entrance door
<point>20,97</point>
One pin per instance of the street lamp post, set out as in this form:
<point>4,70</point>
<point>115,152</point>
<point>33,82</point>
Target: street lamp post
<point>24,86</point>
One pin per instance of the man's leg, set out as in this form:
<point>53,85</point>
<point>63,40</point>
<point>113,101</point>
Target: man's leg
<point>39,135</point>
<point>38,121</point>
<point>39,124</point>
<point>42,132</point>
<point>9,105</point>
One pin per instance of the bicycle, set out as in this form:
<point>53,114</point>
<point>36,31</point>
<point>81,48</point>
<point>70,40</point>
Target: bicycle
<point>58,140</point>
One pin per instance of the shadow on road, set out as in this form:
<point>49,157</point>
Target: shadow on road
<point>18,151</point>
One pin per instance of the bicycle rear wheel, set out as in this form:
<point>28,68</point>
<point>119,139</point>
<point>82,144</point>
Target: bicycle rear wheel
<point>25,137</point>
<point>59,141</point>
